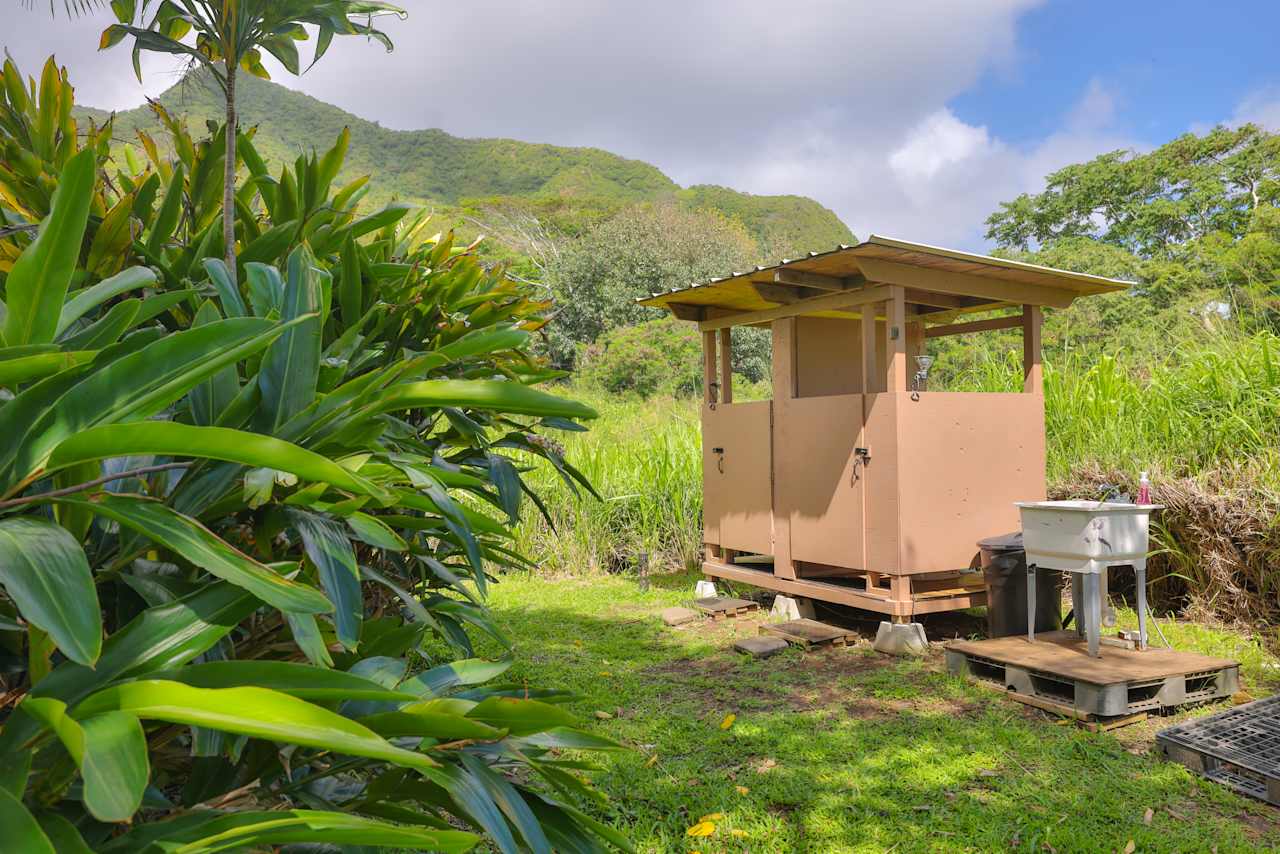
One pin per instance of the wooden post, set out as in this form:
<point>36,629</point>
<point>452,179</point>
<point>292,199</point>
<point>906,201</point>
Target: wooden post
<point>896,341</point>
<point>726,364</point>
<point>1032,372</point>
<point>784,390</point>
<point>709,368</point>
<point>870,373</point>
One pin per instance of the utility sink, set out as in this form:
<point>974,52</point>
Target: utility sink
<point>1085,536</point>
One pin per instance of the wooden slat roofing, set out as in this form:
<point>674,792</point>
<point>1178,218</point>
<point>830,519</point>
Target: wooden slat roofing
<point>981,281</point>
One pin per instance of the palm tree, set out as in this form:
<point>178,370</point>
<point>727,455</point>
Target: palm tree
<point>225,36</point>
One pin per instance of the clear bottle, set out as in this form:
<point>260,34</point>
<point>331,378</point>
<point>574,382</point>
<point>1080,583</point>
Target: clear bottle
<point>1144,489</point>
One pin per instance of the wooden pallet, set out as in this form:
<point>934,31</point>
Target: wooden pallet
<point>723,607</point>
<point>1089,721</point>
<point>1118,683</point>
<point>809,633</point>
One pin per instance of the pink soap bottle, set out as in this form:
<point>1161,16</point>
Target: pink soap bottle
<point>1144,489</point>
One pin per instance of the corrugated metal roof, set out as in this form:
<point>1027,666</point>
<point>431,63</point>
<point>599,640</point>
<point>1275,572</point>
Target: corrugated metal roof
<point>736,292</point>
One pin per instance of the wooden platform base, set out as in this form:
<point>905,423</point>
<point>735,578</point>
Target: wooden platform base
<point>1057,668</point>
<point>909,597</point>
<point>722,607</point>
<point>809,633</point>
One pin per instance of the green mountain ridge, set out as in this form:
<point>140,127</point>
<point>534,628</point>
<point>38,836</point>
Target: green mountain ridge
<point>452,173</point>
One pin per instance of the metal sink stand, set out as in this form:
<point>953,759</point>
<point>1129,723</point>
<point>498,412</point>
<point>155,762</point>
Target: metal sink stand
<point>1086,599</point>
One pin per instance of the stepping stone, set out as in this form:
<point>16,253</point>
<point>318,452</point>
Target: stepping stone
<point>678,616</point>
<point>760,647</point>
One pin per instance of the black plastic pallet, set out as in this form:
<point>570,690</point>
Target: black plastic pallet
<point>1239,748</point>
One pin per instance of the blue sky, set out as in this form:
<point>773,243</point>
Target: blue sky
<point>909,118</point>
<point>1167,66</point>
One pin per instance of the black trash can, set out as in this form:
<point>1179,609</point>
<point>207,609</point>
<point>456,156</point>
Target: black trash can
<point>1004,567</point>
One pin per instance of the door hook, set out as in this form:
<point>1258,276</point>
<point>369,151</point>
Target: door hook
<point>719,452</point>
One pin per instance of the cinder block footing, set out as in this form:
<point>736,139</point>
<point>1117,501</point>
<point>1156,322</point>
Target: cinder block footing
<point>786,608</point>
<point>901,639</point>
<point>704,589</point>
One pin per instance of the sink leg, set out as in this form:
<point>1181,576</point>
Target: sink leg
<point>1031,603</point>
<point>1077,602</point>
<point>1140,579</point>
<point>1093,603</point>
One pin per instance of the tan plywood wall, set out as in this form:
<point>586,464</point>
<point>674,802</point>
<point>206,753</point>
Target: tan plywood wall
<point>828,354</point>
<point>737,489</point>
<point>819,485</point>
<point>964,458</point>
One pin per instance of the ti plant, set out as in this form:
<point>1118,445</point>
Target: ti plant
<point>226,36</point>
<point>246,530</point>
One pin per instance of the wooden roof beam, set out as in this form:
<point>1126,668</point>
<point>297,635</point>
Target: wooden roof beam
<point>783,294</point>
<point>819,281</point>
<point>963,284</point>
<point>974,326</point>
<point>826,302</point>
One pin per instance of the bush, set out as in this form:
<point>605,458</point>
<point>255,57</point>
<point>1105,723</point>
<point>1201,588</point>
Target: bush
<point>663,355</point>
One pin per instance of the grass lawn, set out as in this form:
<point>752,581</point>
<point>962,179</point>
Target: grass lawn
<point>845,749</point>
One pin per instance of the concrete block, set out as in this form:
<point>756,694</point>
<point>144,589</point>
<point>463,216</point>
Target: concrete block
<point>901,639</point>
<point>679,616</point>
<point>704,589</point>
<point>760,647</point>
<point>786,608</point>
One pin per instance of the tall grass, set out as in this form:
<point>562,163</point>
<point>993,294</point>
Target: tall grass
<point>1203,418</point>
<point>645,460</point>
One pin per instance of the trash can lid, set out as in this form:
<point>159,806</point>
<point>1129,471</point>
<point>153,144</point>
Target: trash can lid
<point>1011,542</point>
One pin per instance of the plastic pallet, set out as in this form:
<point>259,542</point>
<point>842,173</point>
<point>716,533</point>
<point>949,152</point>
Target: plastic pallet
<point>1239,748</point>
<point>1108,700</point>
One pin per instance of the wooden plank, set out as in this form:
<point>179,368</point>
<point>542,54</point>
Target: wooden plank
<point>782,294</point>
<point>963,284</point>
<point>819,590</point>
<point>685,311</point>
<point>870,373</point>
<point>726,365</point>
<point>784,390</point>
<point>1013,322</point>
<point>817,280</point>
<point>896,343</point>
<point>1049,706</point>
<point>1032,372</point>
<point>709,367</point>
<point>826,302</point>
<point>1064,654</point>
<point>809,633</point>
<point>915,296</point>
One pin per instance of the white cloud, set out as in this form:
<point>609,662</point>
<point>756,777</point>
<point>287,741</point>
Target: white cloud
<point>939,142</point>
<point>843,101</point>
<point>1261,108</point>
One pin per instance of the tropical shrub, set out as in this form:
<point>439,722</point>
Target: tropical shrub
<point>662,355</point>
<point>247,526</point>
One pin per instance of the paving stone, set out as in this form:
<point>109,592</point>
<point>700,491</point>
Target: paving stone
<point>760,647</point>
<point>679,616</point>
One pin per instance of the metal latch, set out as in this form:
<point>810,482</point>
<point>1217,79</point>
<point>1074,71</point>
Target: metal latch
<point>719,452</point>
<point>863,454</point>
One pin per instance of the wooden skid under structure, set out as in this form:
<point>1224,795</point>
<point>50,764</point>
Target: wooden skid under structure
<point>1094,723</point>
<point>1058,669</point>
<point>1239,748</point>
<point>908,597</point>
<point>809,633</point>
<point>721,607</point>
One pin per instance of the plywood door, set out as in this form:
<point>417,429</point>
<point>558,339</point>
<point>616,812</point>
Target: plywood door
<point>737,496</point>
<point>819,480</point>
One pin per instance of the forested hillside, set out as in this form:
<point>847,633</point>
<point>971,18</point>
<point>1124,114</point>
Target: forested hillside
<point>435,167</point>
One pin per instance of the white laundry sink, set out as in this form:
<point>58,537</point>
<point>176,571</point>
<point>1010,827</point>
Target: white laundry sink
<point>1085,536</point>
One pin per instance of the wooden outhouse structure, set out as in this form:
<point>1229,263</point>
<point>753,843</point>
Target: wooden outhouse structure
<point>854,484</point>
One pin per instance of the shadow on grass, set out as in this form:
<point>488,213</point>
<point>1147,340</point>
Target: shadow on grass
<point>843,749</point>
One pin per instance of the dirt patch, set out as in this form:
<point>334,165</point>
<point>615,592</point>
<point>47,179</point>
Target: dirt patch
<point>805,682</point>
